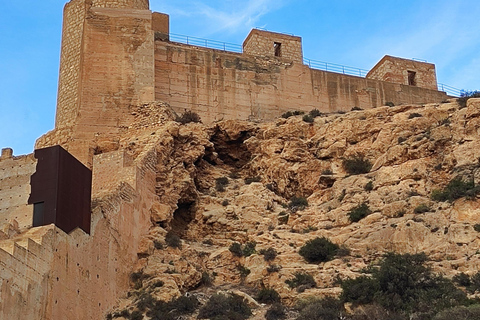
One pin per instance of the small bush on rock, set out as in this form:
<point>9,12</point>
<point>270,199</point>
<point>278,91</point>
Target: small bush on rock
<point>172,240</point>
<point>221,306</point>
<point>252,179</point>
<point>308,118</point>
<point>268,296</point>
<point>269,254</point>
<point>423,208</point>
<point>221,183</point>
<point>462,101</point>
<point>297,203</point>
<point>276,311</point>
<point>357,165</point>
<point>236,249</point>
<point>321,309</point>
<point>188,116</point>
<point>301,281</point>
<point>318,250</point>
<point>456,189</point>
<point>315,113</point>
<point>359,212</point>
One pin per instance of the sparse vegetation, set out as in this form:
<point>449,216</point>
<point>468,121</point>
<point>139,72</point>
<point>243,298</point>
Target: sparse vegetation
<point>269,254</point>
<point>322,309</point>
<point>369,186</point>
<point>244,271</point>
<point>275,312</point>
<point>356,109</point>
<point>359,212</point>
<point>308,118</point>
<point>318,250</point>
<point>252,179</point>
<point>390,104</point>
<point>315,113</point>
<point>423,208</point>
<point>414,115</point>
<point>188,116</point>
<point>289,114</point>
<point>301,281</point>
<point>297,203</point>
<point>221,183</point>
<point>462,101</point>
<point>173,240</point>
<point>267,295</point>
<point>477,227</point>
<point>327,172</point>
<point>221,306</point>
<point>457,188</point>
<point>357,165</point>
<point>403,283</point>
<point>236,249</point>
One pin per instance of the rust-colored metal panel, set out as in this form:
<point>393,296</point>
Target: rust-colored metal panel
<point>61,190</point>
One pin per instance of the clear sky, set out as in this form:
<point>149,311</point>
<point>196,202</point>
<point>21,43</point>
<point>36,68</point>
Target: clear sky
<point>347,32</point>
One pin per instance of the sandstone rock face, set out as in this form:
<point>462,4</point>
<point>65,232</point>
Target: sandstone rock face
<point>412,150</point>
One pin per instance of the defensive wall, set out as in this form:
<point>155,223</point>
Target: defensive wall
<point>46,273</point>
<point>117,54</point>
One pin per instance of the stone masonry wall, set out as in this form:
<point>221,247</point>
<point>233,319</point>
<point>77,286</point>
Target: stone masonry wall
<point>46,274</point>
<point>261,43</point>
<point>15,175</point>
<point>70,62</point>
<point>224,85</point>
<point>393,69</point>
<point>133,4</point>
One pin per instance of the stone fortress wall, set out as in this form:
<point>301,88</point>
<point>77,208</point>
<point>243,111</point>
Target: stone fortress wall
<point>116,54</point>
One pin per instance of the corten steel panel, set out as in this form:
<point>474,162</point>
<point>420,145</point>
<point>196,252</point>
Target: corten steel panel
<point>64,185</point>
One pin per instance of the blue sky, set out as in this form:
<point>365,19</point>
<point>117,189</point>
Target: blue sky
<point>347,32</point>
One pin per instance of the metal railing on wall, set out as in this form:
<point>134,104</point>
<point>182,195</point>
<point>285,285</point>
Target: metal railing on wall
<point>451,91</point>
<point>206,43</point>
<point>314,64</point>
<point>332,67</point>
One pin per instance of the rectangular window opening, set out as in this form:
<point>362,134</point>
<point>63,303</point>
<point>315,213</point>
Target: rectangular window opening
<point>278,49</point>
<point>38,213</point>
<point>411,78</point>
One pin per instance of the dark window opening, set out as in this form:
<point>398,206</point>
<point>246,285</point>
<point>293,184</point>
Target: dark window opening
<point>38,212</point>
<point>278,49</point>
<point>411,78</point>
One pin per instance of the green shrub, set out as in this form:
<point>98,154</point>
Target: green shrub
<point>477,227</point>
<point>269,296</point>
<point>422,208</point>
<point>236,249</point>
<point>172,310</point>
<point>327,172</point>
<point>301,281</point>
<point>357,165</point>
<point>269,254</point>
<point>369,186</point>
<point>390,104</point>
<point>460,313</point>
<point>356,109</point>
<point>252,179</point>
<point>456,189</point>
<point>249,248</point>
<point>274,268</point>
<point>360,290</point>
<point>136,315</point>
<point>173,240</point>
<point>475,283</point>
<point>321,309</point>
<point>308,118</point>
<point>276,311</point>
<point>289,114</point>
<point>188,116</point>
<point>359,212</point>
<point>318,250</point>
<point>296,204</point>
<point>221,183</point>
<point>403,283</point>
<point>462,279</point>
<point>414,115</point>
<point>221,307</point>
<point>244,271</point>
<point>315,113</point>
<point>462,101</point>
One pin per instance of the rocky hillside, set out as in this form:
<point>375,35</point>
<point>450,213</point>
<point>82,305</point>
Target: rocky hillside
<point>238,200</point>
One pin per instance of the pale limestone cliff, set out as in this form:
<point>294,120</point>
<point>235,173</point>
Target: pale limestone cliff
<point>413,150</point>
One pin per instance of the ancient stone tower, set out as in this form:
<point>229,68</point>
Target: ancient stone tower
<point>107,64</point>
